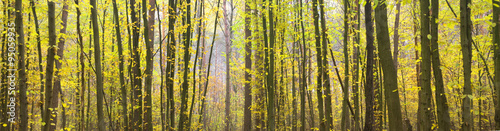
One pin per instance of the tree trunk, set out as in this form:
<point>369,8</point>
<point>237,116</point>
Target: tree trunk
<point>99,82</point>
<point>424,103</point>
<point>355,58</point>
<point>137,76</point>
<point>247,126</point>
<point>389,71</point>
<point>319,63</point>
<point>441,102</point>
<point>209,61</point>
<point>171,62</point>
<point>60,53</point>
<point>369,95</point>
<point>184,92</point>
<point>23,126</point>
<point>80,102</point>
<point>303,83</point>
<point>345,111</point>
<point>496,50</point>
<point>121,67</point>
<point>149,42</point>
<point>465,41</point>
<point>51,52</point>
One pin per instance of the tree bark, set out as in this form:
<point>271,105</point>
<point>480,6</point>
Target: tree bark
<point>47,119</point>
<point>369,94</point>
<point>425,94</point>
<point>23,126</point>
<point>247,126</point>
<point>389,71</point>
<point>496,50</point>
<point>441,101</point>
<point>99,82</point>
<point>149,42</point>
<point>465,41</point>
<point>121,66</point>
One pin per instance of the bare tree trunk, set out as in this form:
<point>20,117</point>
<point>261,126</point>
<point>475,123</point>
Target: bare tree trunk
<point>21,66</point>
<point>247,126</point>
<point>389,71</point>
<point>441,102</point>
<point>47,119</point>
<point>121,67</point>
<point>465,41</point>
<point>496,50</point>
<point>99,82</point>
<point>369,94</point>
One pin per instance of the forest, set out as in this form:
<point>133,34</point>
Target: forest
<point>251,65</point>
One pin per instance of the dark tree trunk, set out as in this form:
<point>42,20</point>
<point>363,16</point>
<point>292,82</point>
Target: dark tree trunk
<point>247,126</point>
<point>99,82</point>
<point>369,94</point>
<point>389,71</point>
<point>424,100</point>
<point>51,52</point>
<point>465,41</point>
<point>23,126</point>
<point>441,102</point>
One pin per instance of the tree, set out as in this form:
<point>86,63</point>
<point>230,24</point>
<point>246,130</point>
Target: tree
<point>120,66</point>
<point>149,36</point>
<point>319,87</point>
<point>465,42</point>
<point>496,50</point>
<point>389,71</point>
<point>303,83</point>
<point>171,61</point>
<point>425,94</point>
<point>60,53</point>
<point>441,101</point>
<point>369,95</point>
<point>81,104</point>
<point>247,126</point>
<point>21,66</point>
<point>345,113</point>
<point>48,117</point>
<point>356,60</point>
<point>97,54</point>
<point>183,120</point>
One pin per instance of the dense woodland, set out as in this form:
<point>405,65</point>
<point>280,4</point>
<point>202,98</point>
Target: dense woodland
<point>368,65</point>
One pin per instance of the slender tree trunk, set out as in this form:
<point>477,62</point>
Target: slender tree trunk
<point>23,126</point>
<point>137,76</point>
<point>424,101</point>
<point>60,53</point>
<point>325,72</point>
<point>209,61</point>
<point>465,41</point>
<point>99,82</point>
<point>355,78</point>
<point>80,103</point>
<point>303,82</point>
<point>171,62</point>
<point>247,126</point>
<point>390,74</point>
<point>149,42</point>
<point>183,120</point>
<point>441,102</point>
<point>199,39</point>
<point>47,119</point>
<point>319,63</point>
<point>121,66</point>
<point>396,34</point>
<point>496,50</point>
<point>345,112</point>
<point>39,52</point>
